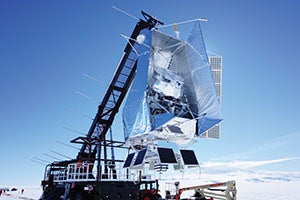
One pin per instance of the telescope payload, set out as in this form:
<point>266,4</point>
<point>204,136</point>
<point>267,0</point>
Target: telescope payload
<point>172,97</point>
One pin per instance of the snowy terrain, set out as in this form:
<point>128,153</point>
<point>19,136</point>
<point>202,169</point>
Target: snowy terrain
<point>262,185</point>
<point>29,193</point>
<point>251,185</point>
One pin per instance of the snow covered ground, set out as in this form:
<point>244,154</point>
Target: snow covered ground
<point>251,185</point>
<point>262,184</point>
<point>29,193</point>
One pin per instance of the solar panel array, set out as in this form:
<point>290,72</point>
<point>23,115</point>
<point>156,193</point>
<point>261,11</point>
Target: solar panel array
<point>166,155</point>
<point>189,157</point>
<point>128,160</point>
<point>140,157</point>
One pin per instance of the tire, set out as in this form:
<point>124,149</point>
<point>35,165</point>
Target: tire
<point>158,197</point>
<point>79,196</point>
<point>149,197</point>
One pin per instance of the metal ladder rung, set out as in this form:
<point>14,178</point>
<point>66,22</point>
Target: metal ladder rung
<point>129,64</point>
<point>111,104</point>
<point>112,101</point>
<point>124,74</point>
<point>118,88</point>
<point>127,67</point>
<point>120,82</point>
<point>131,59</point>
<point>107,108</point>
<point>104,121</point>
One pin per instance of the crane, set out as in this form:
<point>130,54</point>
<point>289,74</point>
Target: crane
<point>56,183</point>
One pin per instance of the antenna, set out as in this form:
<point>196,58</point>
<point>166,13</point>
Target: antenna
<point>124,12</point>
<point>184,22</point>
<point>40,160</point>
<point>151,20</point>
<point>140,40</point>
<point>73,130</point>
<point>68,145</point>
<point>86,96</point>
<point>127,39</point>
<point>93,78</point>
<point>48,155</point>
<point>61,154</point>
<point>86,116</point>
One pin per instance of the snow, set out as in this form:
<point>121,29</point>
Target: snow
<point>30,193</point>
<point>251,185</point>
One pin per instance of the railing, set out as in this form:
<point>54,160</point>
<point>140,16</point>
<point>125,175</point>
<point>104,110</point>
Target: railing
<point>85,171</point>
<point>80,171</point>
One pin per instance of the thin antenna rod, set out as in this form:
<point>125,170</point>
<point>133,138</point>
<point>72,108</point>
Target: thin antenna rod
<point>68,145</point>
<point>84,95</point>
<point>124,12</point>
<point>93,78</point>
<point>48,155</point>
<point>38,162</point>
<point>127,39</point>
<point>73,130</point>
<point>86,116</point>
<point>41,160</point>
<point>184,22</point>
<point>61,154</point>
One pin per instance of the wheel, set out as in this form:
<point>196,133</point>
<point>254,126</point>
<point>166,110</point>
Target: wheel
<point>152,197</point>
<point>149,197</point>
<point>158,197</point>
<point>79,196</point>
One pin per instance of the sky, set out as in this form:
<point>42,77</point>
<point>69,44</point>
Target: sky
<point>49,50</point>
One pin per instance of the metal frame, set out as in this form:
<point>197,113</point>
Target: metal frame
<point>95,140</point>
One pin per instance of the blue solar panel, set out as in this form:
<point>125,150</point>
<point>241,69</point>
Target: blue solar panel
<point>166,155</point>
<point>128,160</point>
<point>140,157</point>
<point>189,157</point>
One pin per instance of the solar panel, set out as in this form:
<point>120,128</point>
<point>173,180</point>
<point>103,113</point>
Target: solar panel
<point>128,160</point>
<point>140,157</point>
<point>189,157</point>
<point>166,155</point>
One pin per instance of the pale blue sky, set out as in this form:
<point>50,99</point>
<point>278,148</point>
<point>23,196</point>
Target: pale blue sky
<point>46,47</point>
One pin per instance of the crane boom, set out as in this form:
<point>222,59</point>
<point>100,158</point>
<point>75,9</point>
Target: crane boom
<point>228,192</point>
<point>117,88</point>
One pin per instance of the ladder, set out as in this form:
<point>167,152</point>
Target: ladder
<point>117,88</point>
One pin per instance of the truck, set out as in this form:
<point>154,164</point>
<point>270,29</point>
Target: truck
<point>169,106</point>
<point>76,179</point>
